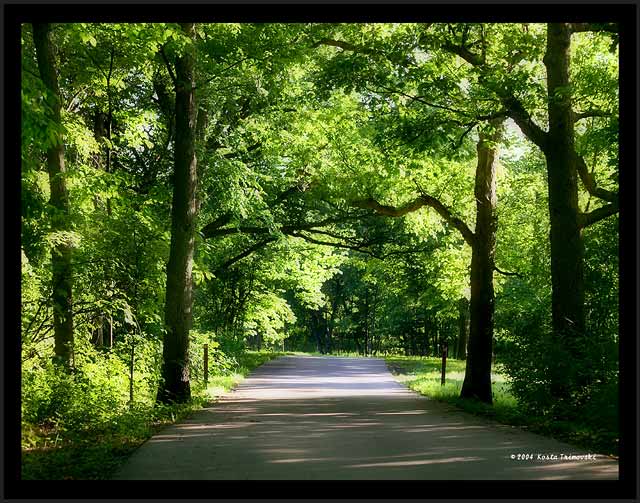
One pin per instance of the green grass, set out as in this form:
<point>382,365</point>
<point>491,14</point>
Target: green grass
<point>97,453</point>
<point>422,374</point>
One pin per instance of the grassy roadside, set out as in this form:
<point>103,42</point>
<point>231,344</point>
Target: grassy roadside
<point>422,374</point>
<point>97,453</point>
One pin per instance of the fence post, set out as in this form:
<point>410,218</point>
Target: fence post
<point>206,363</point>
<point>444,363</point>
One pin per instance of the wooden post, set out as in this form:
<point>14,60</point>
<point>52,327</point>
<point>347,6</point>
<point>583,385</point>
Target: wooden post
<point>444,362</point>
<point>131,368</point>
<point>206,363</point>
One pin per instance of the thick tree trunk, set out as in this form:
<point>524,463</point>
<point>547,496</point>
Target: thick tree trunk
<point>567,249</point>
<point>175,370</point>
<point>477,379</point>
<point>463,328</point>
<point>59,200</point>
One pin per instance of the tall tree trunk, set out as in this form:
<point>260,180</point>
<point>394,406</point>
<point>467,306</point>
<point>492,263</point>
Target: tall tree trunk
<point>175,370</point>
<point>463,328</point>
<point>99,132</point>
<point>59,200</point>
<point>567,249</point>
<point>477,379</point>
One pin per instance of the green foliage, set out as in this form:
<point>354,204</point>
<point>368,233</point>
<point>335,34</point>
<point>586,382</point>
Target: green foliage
<point>78,427</point>
<point>291,132</point>
<point>592,429</point>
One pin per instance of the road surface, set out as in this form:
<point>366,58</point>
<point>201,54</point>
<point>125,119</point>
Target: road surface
<point>330,418</point>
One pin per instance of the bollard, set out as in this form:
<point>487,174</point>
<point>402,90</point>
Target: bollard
<point>444,363</point>
<point>206,363</point>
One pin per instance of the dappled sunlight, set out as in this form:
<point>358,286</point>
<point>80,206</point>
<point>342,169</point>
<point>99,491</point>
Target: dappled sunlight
<point>325,418</point>
<point>301,460</point>
<point>417,462</point>
<point>401,413</point>
<point>431,428</point>
<point>561,468</point>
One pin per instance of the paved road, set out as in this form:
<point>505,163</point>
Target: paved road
<point>346,418</point>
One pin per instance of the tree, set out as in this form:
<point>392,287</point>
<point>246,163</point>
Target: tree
<point>178,304</point>
<point>477,382</point>
<point>564,164</point>
<point>62,292</point>
<point>567,221</point>
<point>477,378</point>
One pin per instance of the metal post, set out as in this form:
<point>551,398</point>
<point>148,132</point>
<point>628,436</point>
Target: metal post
<point>444,363</point>
<point>206,363</point>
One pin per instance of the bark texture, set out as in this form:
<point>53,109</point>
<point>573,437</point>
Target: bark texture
<point>178,314</point>
<point>477,379</point>
<point>59,201</point>
<point>567,249</point>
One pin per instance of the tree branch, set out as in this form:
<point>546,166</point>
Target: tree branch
<point>358,248</point>
<point>249,229</point>
<point>523,119</point>
<point>221,221</point>
<point>590,113</point>
<point>464,53</point>
<point>506,273</point>
<point>587,219</point>
<point>419,99</point>
<point>419,202</point>
<point>211,230</point>
<point>168,65</point>
<point>464,134</point>
<point>223,70</point>
<point>590,184</point>
<point>245,253</point>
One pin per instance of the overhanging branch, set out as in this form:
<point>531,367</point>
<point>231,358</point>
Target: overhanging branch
<point>590,184</point>
<point>590,113</point>
<point>246,253</point>
<point>587,219</point>
<point>210,230</point>
<point>358,248</point>
<point>523,119</point>
<point>464,53</point>
<point>423,200</point>
<point>168,65</point>
<point>507,273</point>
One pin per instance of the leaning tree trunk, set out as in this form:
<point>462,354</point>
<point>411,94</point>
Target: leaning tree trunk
<point>59,201</point>
<point>477,379</point>
<point>567,249</point>
<point>175,369</point>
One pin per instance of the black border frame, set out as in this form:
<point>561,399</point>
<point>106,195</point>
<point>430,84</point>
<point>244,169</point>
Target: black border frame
<point>624,13</point>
